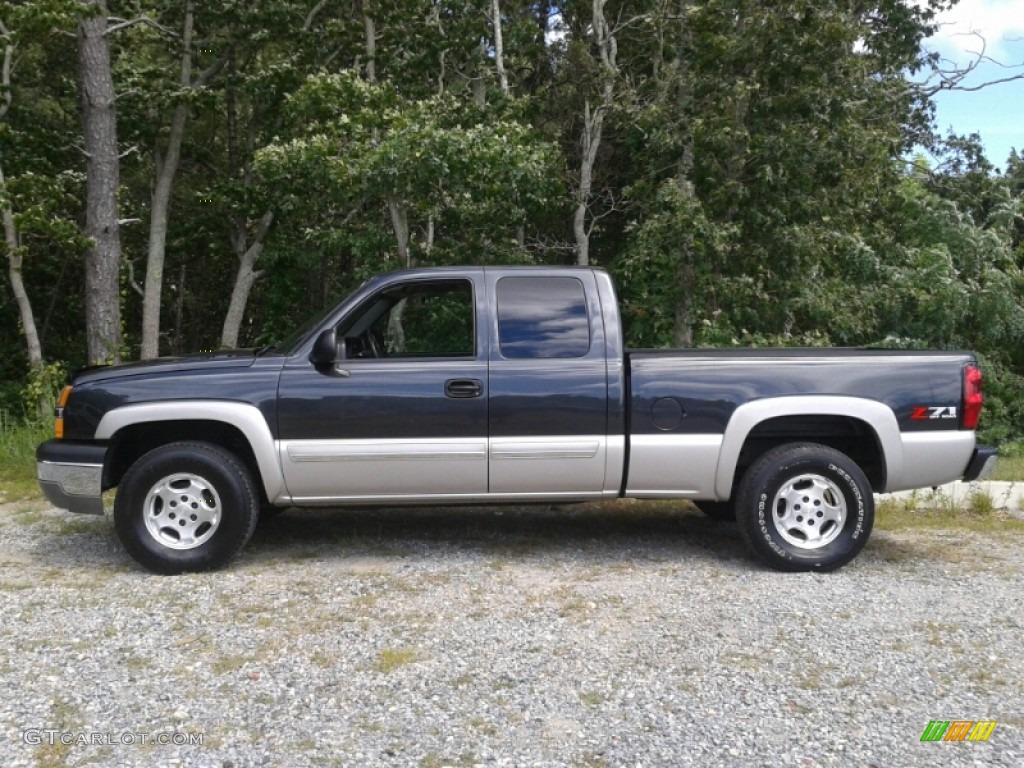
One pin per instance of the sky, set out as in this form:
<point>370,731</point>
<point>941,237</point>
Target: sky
<point>995,27</point>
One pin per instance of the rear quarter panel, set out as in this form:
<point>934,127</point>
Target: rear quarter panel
<point>683,407</point>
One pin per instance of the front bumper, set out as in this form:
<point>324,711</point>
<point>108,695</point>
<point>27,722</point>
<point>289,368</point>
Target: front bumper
<point>983,462</point>
<point>71,475</point>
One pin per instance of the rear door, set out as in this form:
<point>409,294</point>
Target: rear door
<point>403,414</point>
<point>548,384</point>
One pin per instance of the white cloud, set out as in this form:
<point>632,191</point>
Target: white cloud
<point>971,25</point>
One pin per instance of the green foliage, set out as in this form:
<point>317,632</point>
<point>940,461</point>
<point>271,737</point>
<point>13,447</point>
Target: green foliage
<point>464,181</point>
<point>18,441</point>
<point>748,189</point>
<point>1003,413</point>
<point>670,272</point>
<point>43,388</point>
<point>1010,466</point>
<point>435,324</point>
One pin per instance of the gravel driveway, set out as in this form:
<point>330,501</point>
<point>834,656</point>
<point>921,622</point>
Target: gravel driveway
<point>632,635</point>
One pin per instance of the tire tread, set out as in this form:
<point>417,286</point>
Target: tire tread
<point>779,460</point>
<point>204,558</point>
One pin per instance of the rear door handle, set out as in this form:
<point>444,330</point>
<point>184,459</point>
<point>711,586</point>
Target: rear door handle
<point>463,388</point>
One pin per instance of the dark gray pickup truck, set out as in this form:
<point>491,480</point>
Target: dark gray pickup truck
<point>507,385</point>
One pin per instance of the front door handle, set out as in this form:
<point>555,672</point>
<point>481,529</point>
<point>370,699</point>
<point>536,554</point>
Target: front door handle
<point>463,388</point>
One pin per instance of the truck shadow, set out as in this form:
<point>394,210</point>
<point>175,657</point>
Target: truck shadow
<point>594,534</point>
<point>598,532</point>
<point>588,533</point>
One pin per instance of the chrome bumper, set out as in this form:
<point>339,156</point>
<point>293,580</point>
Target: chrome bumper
<point>71,475</point>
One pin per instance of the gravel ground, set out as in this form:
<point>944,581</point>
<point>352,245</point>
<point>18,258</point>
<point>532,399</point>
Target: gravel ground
<point>622,636</point>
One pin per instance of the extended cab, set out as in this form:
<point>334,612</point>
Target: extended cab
<point>507,384</point>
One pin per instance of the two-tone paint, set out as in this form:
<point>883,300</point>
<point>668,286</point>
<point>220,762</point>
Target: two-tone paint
<point>703,404</point>
<point>458,429</point>
<point>486,427</point>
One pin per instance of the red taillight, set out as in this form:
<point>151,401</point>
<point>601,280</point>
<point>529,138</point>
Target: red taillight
<point>973,398</point>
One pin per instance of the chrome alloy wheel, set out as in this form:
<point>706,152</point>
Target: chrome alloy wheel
<point>182,511</point>
<point>809,511</point>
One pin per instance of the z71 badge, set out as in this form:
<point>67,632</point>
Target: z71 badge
<point>923,412</point>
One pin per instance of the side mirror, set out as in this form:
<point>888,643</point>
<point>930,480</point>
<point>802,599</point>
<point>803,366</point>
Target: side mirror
<point>325,349</point>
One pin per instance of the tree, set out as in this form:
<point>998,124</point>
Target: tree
<point>102,162</point>
<point>597,46</point>
<point>456,183</point>
<point>40,200</point>
<point>166,167</point>
<point>12,241</point>
<point>776,128</point>
<point>740,165</point>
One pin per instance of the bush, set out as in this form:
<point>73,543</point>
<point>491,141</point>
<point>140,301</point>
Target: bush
<point>18,441</point>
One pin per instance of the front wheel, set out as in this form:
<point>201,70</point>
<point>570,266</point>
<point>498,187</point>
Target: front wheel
<point>185,506</point>
<point>805,507</point>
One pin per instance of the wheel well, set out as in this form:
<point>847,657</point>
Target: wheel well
<point>131,442</point>
<point>851,436</point>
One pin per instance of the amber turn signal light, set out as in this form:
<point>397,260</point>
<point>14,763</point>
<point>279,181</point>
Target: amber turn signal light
<point>58,425</point>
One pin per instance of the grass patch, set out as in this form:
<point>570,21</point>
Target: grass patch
<point>229,663</point>
<point>18,441</point>
<point>391,659</point>
<point>976,513</point>
<point>1010,464</point>
<point>65,718</point>
<point>938,635</point>
<point>434,760</point>
<point>78,524</point>
<point>28,516</point>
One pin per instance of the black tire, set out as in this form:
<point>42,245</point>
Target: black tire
<point>805,507</point>
<point>185,507</point>
<point>718,510</point>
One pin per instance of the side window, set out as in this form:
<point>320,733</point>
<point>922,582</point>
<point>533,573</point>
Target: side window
<point>542,317</point>
<point>419,319</point>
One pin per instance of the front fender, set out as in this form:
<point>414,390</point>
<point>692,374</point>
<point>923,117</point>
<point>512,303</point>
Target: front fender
<point>246,418</point>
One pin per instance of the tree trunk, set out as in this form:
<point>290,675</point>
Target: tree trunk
<point>14,261</point>
<point>28,320</point>
<point>179,312</point>
<point>102,227</point>
<point>682,322</point>
<point>244,280</point>
<point>593,121</point>
<point>159,210</point>
<point>593,126</point>
<point>400,224</point>
<point>156,256</point>
<point>686,310</point>
<point>478,83</point>
<point>499,46</point>
<point>11,239</point>
<point>370,35</point>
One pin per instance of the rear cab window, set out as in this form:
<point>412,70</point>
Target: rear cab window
<point>542,318</point>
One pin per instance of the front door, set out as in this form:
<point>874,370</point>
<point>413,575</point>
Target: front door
<point>403,413</point>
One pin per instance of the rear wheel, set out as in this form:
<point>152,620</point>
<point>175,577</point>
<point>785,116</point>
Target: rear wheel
<point>805,507</point>
<point>185,506</point>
